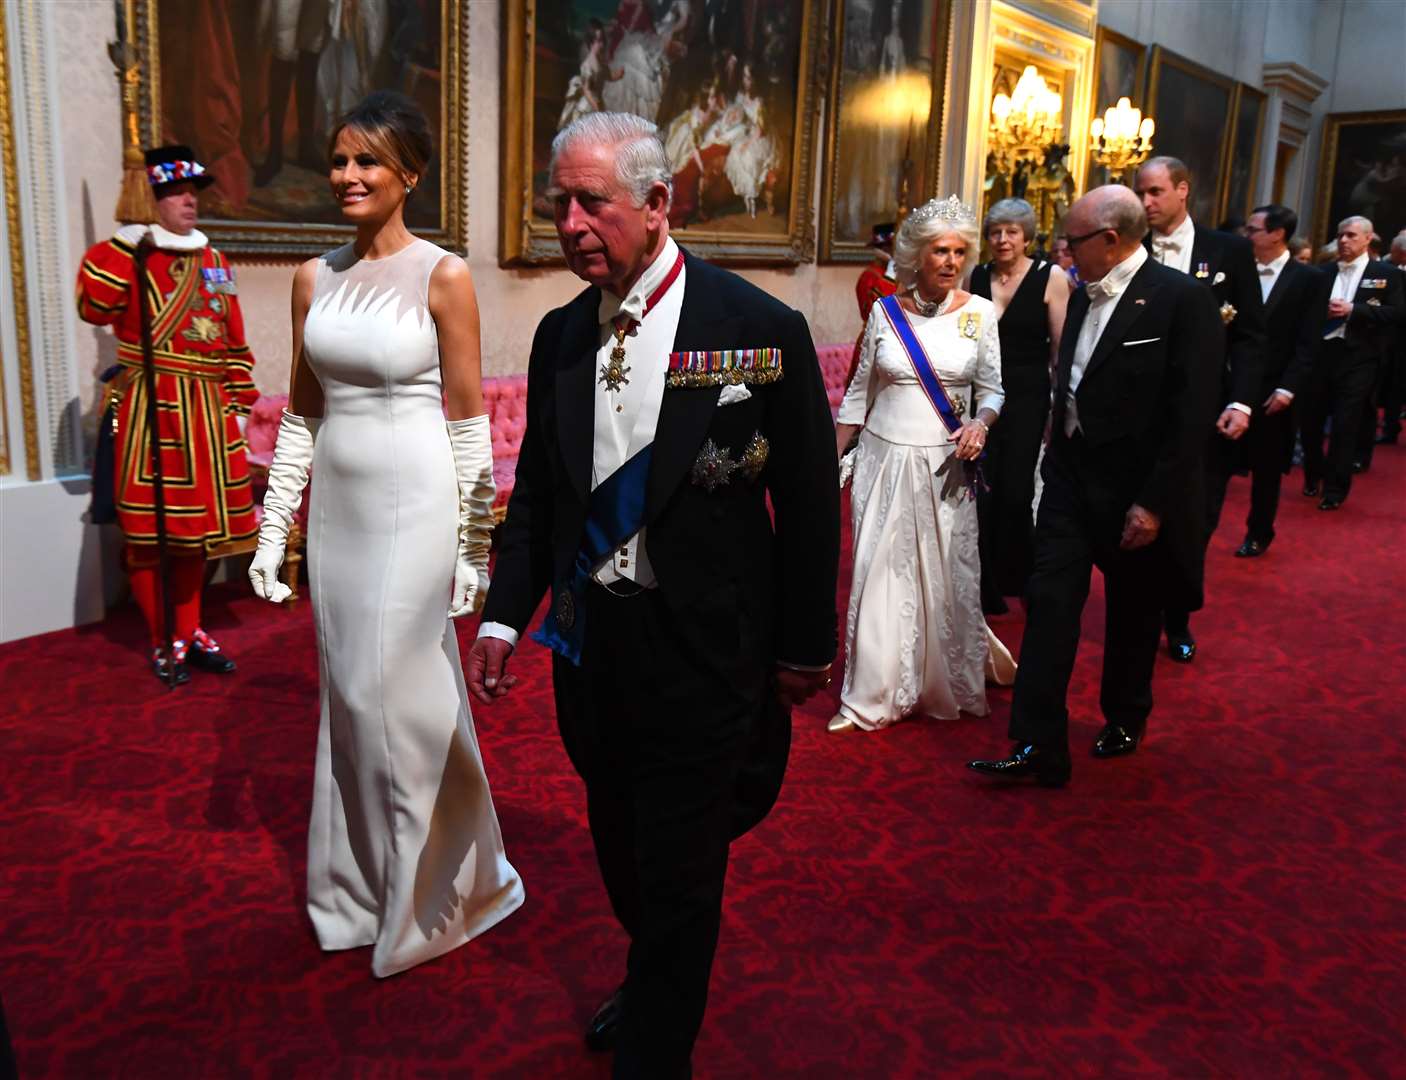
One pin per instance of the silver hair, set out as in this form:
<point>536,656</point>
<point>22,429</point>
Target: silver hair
<point>640,160</point>
<point>1366,223</point>
<point>923,226</point>
<point>1011,212</point>
<point>1122,213</point>
<point>1398,242</point>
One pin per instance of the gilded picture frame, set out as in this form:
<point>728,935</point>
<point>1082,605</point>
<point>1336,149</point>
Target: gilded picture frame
<point>276,205</point>
<point>884,113</point>
<point>1362,171</point>
<point>1242,167</point>
<point>1192,107</point>
<point>736,106</point>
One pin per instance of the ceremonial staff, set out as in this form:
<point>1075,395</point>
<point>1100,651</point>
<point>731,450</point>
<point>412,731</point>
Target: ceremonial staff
<point>168,615</point>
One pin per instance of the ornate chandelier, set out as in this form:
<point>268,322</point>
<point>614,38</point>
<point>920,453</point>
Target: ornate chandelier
<point>1025,123</point>
<point>1122,138</point>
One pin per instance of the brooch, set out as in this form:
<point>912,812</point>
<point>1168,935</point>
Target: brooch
<point>715,467</point>
<point>1228,313</point>
<point>566,610</point>
<point>969,324</point>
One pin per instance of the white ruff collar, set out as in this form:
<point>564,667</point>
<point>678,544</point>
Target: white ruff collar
<point>169,241</point>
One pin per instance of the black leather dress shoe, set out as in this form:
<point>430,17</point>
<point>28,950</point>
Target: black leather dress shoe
<point>1181,647</point>
<point>1252,549</point>
<point>1049,768</point>
<point>1115,741</point>
<point>1331,502</point>
<point>604,1028</point>
<point>213,660</point>
<point>1310,491</point>
<point>1361,466</point>
<point>158,667</point>
<point>1386,440</point>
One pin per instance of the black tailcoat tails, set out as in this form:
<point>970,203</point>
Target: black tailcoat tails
<point>671,719</point>
<point>1146,398</point>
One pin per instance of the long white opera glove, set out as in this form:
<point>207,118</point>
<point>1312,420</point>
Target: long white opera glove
<point>472,445</point>
<point>288,476</point>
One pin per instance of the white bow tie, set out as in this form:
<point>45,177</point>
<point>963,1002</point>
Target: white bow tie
<point>1266,269</point>
<point>1163,244</point>
<point>1345,268</point>
<point>1098,288</point>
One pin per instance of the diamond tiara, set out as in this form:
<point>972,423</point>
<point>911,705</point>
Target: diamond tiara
<point>949,209</point>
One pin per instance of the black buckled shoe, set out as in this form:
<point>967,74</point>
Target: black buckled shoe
<point>1048,767</point>
<point>1251,548</point>
<point>159,664</point>
<point>206,655</point>
<point>1181,646</point>
<point>604,1029</point>
<point>1115,741</point>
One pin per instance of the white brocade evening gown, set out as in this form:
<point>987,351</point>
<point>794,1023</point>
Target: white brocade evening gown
<point>915,638</point>
<point>404,849</point>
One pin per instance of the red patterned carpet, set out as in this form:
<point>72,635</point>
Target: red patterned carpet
<point>1228,902</point>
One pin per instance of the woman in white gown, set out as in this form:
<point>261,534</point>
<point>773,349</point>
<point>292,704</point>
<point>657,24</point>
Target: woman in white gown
<point>753,153</point>
<point>915,638</point>
<point>404,849</point>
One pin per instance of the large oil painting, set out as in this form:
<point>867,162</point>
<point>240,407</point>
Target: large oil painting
<point>1192,107</point>
<point>1243,170</point>
<point>255,87</point>
<point>1363,172</point>
<point>728,82</point>
<point>885,98</point>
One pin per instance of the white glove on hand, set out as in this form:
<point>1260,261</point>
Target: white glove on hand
<point>472,445</point>
<point>132,234</point>
<point>288,476</point>
<point>847,467</point>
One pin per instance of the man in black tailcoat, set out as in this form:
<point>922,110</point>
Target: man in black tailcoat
<point>1225,265</point>
<point>1295,307</point>
<point>1365,305</point>
<point>665,405</point>
<point>1136,390</point>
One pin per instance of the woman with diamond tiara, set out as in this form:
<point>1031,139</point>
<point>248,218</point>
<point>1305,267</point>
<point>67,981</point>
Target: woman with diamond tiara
<point>926,394</point>
<point>404,850</point>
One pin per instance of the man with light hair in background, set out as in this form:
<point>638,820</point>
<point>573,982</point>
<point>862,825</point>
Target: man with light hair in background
<point>1364,306</point>
<point>666,405</point>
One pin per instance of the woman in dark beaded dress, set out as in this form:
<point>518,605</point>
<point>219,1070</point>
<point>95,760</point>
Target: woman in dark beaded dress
<point>1030,303</point>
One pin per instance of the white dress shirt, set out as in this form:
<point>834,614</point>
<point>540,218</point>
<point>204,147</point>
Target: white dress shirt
<point>1269,273</point>
<point>626,419</point>
<point>1345,288</point>
<point>1174,249</point>
<point>1105,293</point>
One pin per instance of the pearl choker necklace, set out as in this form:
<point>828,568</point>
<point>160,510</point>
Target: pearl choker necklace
<point>929,308</point>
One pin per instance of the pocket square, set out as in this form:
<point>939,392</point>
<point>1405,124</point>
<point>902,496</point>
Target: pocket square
<point>733,393</point>
<point>1141,341</point>
<point>1220,276</point>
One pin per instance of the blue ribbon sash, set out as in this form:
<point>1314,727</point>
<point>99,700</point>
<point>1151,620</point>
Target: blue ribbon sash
<point>922,366</point>
<point>615,514</point>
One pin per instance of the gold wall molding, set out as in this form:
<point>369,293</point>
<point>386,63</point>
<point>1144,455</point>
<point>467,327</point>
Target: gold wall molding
<point>19,294</point>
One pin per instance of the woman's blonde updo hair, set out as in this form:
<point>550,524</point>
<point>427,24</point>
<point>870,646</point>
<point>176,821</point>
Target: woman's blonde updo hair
<point>394,128</point>
<point>922,226</point>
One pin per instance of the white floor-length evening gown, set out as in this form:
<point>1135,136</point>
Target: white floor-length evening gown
<point>404,849</point>
<point>916,641</point>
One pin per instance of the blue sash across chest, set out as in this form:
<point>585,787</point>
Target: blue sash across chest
<point>922,366</point>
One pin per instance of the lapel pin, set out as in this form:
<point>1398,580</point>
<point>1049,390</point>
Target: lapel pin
<point>1139,300</point>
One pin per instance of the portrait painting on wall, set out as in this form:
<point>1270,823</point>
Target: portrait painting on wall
<point>1245,151</point>
<point>1120,68</point>
<point>1363,172</point>
<point>885,96</point>
<point>255,87</point>
<point>1191,105</point>
<point>729,84</point>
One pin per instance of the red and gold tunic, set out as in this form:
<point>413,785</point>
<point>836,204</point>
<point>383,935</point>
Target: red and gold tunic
<point>203,381</point>
<point>873,284</point>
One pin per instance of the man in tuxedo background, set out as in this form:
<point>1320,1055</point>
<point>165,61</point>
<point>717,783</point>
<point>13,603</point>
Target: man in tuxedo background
<point>1136,390</point>
<point>1394,378</point>
<point>665,404</point>
<point>1295,306</point>
<point>1365,305</point>
<point>1225,265</point>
